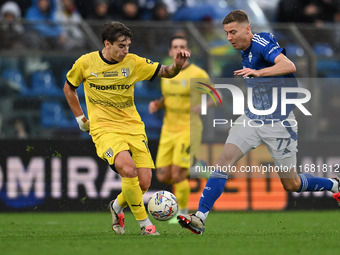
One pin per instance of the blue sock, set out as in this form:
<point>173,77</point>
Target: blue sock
<point>212,191</point>
<point>313,183</point>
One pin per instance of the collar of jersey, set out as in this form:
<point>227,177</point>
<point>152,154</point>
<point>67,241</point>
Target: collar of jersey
<point>248,49</point>
<point>105,60</point>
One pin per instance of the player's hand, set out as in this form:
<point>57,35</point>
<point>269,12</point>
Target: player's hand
<point>154,106</point>
<point>84,124</point>
<point>180,57</point>
<point>247,72</point>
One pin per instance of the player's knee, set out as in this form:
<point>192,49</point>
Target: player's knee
<point>144,183</point>
<point>291,186</point>
<point>227,158</point>
<point>128,171</point>
<point>179,176</point>
<point>163,176</point>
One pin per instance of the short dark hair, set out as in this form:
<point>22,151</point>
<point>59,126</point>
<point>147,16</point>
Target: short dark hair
<point>177,37</point>
<point>113,30</point>
<point>239,16</point>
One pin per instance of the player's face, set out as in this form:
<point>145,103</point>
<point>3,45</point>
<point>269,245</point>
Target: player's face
<point>176,45</point>
<point>119,49</point>
<point>238,34</point>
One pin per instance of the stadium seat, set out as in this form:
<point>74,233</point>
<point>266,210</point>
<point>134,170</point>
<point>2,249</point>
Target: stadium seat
<point>80,89</point>
<point>43,83</point>
<point>15,76</point>
<point>328,68</point>
<point>53,115</point>
<point>81,92</point>
<point>140,89</point>
<point>323,49</point>
<point>294,50</point>
<point>146,90</point>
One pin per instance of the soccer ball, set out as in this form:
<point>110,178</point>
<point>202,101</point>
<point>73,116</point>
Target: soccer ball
<point>163,205</point>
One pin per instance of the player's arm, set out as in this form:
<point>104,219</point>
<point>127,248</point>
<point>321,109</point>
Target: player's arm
<point>73,101</point>
<point>282,66</point>
<point>155,105</point>
<point>172,70</point>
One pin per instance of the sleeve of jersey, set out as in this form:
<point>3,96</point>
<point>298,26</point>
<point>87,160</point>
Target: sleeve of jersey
<point>147,69</point>
<point>208,83</point>
<point>205,84</point>
<point>74,77</point>
<point>272,50</point>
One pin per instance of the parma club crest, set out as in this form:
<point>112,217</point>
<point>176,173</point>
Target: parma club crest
<point>109,153</point>
<point>126,72</point>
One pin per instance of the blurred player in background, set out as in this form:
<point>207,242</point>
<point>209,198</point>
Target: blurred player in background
<point>176,150</point>
<point>265,67</point>
<point>116,128</point>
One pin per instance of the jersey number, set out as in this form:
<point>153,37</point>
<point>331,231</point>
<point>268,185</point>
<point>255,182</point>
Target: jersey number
<point>187,150</point>
<point>280,140</point>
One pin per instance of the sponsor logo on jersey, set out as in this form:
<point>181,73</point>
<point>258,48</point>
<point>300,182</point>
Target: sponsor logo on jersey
<point>148,61</point>
<point>120,105</point>
<point>109,87</point>
<point>94,74</point>
<point>126,72</point>
<point>250,57</point>
<point>110,74</point>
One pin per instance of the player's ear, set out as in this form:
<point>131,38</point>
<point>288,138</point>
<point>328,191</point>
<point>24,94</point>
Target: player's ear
<point>106,43</point>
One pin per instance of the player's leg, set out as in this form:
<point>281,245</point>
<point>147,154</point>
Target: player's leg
<point>242,138</point>
<point>163,174</point>
<point>294,182</point>
<point>212,191</point>
<point>131,188</point>
<point>108,146</point>
<point>307,182</point>
<point>164,157</point>
<point>181,186</point>
<point>283,149</point>
<point>141,156</point>
<point>145,176</point>
<point>173,161</point>
<point>186,148</point>
<point>240,141</point>
<point>217,180</point>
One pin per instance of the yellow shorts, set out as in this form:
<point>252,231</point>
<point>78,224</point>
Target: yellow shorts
<point>110,144</point>
<point>176,149</point>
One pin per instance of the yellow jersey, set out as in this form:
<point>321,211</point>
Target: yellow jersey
<point>109,90</point>
<point>179,98</point>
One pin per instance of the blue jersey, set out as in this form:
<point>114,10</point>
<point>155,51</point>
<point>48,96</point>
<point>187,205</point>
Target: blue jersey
<point>261,53</point>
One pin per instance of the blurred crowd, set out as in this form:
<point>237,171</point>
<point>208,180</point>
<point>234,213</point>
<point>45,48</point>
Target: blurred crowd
<point>62,19</point>
<point>59,25</point>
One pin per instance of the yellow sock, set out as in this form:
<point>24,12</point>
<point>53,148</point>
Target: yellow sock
<point>134,197</point>
<point>182,192</point>
<point>121,200</point>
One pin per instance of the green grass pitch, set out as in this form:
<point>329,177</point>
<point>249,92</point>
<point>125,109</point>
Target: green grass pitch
<point>300,232</point>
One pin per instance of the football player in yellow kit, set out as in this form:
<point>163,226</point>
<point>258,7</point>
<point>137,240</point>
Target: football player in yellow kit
<point>176,150</point>
<point>109,76</point>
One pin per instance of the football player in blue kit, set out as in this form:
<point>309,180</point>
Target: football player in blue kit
<point>265,67</point>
